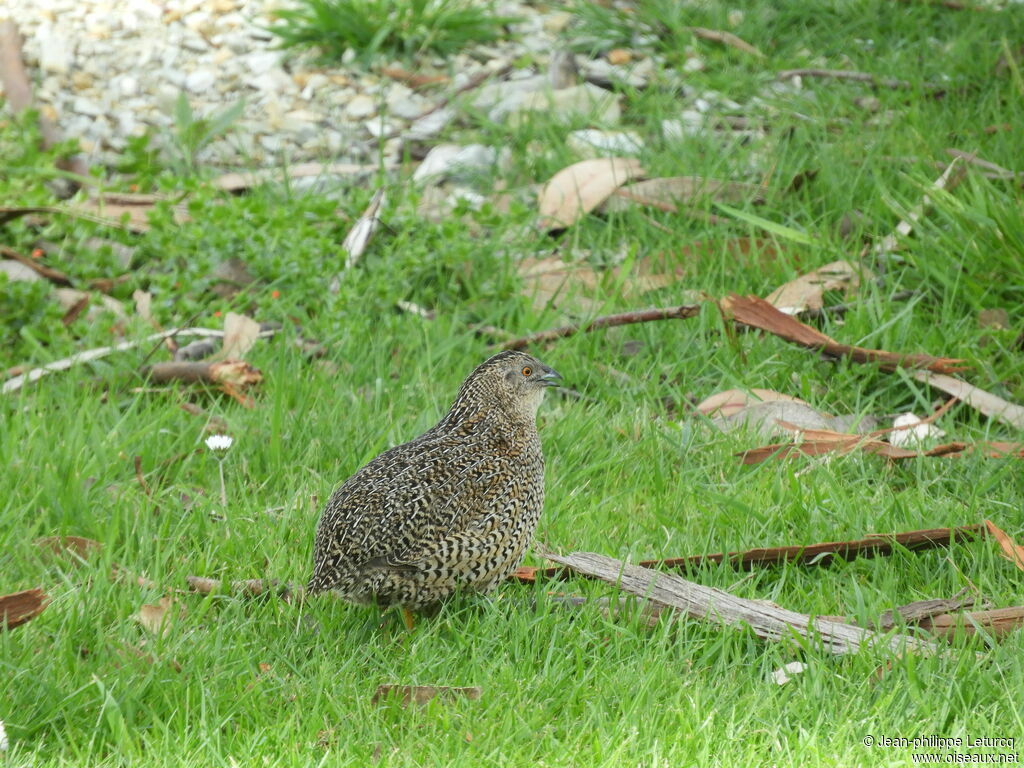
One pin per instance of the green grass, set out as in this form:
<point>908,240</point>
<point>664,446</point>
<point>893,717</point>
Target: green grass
<point>381,28</point>
<point>630,474</point>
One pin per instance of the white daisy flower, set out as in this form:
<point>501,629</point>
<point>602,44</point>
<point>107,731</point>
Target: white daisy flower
<point>219,442</point>
<point>3,737</point>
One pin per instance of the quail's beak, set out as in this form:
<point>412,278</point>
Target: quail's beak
<point>551,378</point>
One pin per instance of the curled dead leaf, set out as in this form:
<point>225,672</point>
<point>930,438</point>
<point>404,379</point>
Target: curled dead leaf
<point>19,607</point>
<point>808,291</point>
<point>578,189</point>
<point>156,617</point>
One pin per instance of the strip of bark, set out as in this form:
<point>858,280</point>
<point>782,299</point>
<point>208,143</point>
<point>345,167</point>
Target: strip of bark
<point>17,89</point>
<point>19,607</point>
<point>607,321</point>
<point>879,544</point>
<point>816,442</point>
<point>715,605</point>
<point>991,405</point>
<point>998,622</point>
<point>1012,551</point>
<point>919,610</point>
<point>758,313</point>
<point>860,77</point>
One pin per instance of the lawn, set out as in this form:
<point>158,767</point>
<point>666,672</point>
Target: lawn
<point>632,471</point>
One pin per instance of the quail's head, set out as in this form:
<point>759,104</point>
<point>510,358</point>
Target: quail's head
<point>514,380</point>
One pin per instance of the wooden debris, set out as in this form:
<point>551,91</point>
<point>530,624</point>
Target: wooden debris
<point>758,313</point>
<point>991,405</point>
<point>726,38</point>
<point>55,276</point>
<point>998,622</point>
<point>919,610</point>
<point>875,545</point>
<point>19,607</point>
<point>421,694</point>
<point>860,77</point>
<point>1012,551</point>
<point>720,607</point>
<point>71,547</point>
<point>608,321</point>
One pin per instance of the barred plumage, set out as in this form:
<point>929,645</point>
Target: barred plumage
<point>453,509</point>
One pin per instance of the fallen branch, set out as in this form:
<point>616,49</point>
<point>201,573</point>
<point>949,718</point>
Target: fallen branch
<point>53,275</point>
<point>998,622</point>
<point>758,313</point>
<point>920,610</point>
<point>17,382</point>
<point>861,77</point>
<point>607,321</point>
<point>991,405</point>
<point>875,545</point>
<point>19,607</point>
<point>715,605</point>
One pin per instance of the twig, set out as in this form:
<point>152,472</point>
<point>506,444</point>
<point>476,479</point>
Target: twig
<point>53,275</point>
<point>719,607</point>
<point>140,478</point>
<point>991,405</point>
<point>805,554</point>
<point>607,321</point>
<point>861,77</point>
<point>997,171</point>
<point>726,38</point>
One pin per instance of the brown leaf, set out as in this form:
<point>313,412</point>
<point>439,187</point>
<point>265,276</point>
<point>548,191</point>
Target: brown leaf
<point>421,694</point>
<point>808,291</point>
<point>69,546</point>
<point>156,617</point>
<point>726,38</point>
<point>413,79</point>
<point>240,333</point>
<point>758,313</point>
<point>666,192</point>
<point>235,373</point>
<point>19,607</point>
<point>991,405</point>
<point>1012,551</point>
<point>578,189</point>
<point>732,401</point>
<point>552,282</point>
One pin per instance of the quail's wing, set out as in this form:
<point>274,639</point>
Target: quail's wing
<point>403,499</point>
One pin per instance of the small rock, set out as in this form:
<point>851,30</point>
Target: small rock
<point>693,64</point>
<point>18,272</point>
<point>784,674</point>
<point>200,81</point>
<point>562,70</point>
<point>55,54</point>
<point>360,107</point>
<point>557,21</point>
<point>585,100</point>
<point>452,159</point>
<point>618,56</point>
<point>431,125</point>
<point>594,143</point>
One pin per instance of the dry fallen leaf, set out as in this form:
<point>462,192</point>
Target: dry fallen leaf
<point>991,405</point>
<point>19,607</point>
<point>575,191</point>
<point>758,313</point>
<point>1012,551</point>
<point>732,401</point>
<point>569,286</point>
<point>359,236</point>
<point>65,546</point>
<point>421,694</point>
<point>808,291</point>
<point>156,618</point>
<point>240,333</point>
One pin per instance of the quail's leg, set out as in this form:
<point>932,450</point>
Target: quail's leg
<point>407,618</point>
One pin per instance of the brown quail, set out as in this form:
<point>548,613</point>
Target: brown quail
<point>453,509</point>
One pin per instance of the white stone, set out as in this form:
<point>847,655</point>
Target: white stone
<point>85,106</point>
<point>452,159</point>
<point>56,54</point>
<point>260,63</point>
<point>594,143</point>
<point>585,100</point>
<point>200,81</point>
<point>127,86</point>
<point>361,106</point>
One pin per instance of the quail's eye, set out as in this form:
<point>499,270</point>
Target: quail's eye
<point>527,370</point>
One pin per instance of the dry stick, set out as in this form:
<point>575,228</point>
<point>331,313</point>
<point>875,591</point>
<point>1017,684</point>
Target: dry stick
<point>51,274</point>
<point>607,321</point>
<point>998,622</point>
<point>700,602</point>
<point>862,77</point>
<point>971,158</point>
<point>726,38</point>
<point>35,374</point>
<point>805,554</point>
<point>18,90</point>
<point>990,405</point>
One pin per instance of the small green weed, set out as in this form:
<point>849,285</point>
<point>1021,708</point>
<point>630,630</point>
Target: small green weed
<point>374,28</point>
